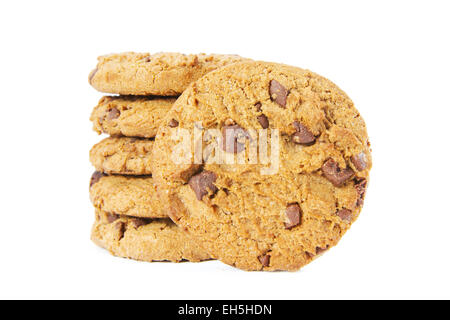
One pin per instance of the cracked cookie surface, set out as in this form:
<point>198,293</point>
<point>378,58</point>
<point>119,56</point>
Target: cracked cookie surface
<point>122,155</point>
<point>130,116</point>
<point>162,74</point>
<point>126,195</point>
<point>144,239</point>
<point>243,214</point>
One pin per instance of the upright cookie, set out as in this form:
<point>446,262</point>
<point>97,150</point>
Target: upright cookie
<point>130,116</point>
<point>122,155</point>
<point>130,196</point>
<point>145,239</point>
<point>162,74</point>
<point>274,212</point>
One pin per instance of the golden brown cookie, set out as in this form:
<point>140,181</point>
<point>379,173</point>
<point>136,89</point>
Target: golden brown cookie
<point>122,155</point>
<point>263,213</point>
<point>126,195</point>
<point>130,116</point>
<point>162,74</point>
<point>145,239</point>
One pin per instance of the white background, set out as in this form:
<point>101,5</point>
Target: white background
<point>391,57</point>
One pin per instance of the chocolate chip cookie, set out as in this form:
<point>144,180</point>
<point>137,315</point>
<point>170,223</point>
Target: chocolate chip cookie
<point>144,239</point>
<point>130,116</point>
<point>122,155</point>
<point>263,211</point>
<point>162,74</point>
<point>130,196</point>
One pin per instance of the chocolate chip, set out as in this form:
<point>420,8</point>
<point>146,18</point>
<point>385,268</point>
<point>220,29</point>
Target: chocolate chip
<point>293,214</point>
<point>278,93</point>
<point>320,250</point>
<point>92,75</point>
<point>303,135</point>
<point>203,181</point>
<point>258,106</point>
<point>173,123</point>
<point>264,259</point>
<point>111,217</point>
<point>113,113</point>
<point>345,214</point>
<point>233,138</point>
<point>120,229</point>
<point>96,176</point>
<point>147,59</point>
<point>361,186</point>
<point>335,174</point>
<point>359,161</point>
<point>138,222</point>
<point>263,121</point>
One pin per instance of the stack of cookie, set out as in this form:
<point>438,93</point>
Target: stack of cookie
<point>272,173</point>
<point>130,220</point>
